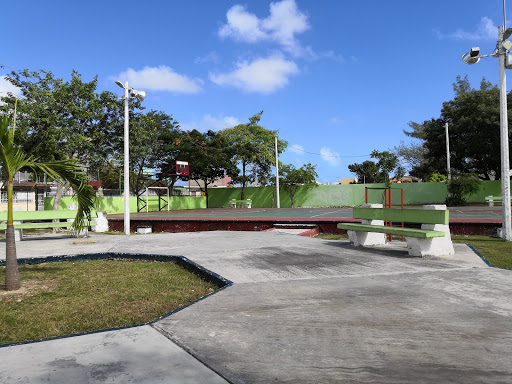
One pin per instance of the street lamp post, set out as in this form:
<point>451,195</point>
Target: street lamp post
<point>472,57</point>
<point>139,95</point>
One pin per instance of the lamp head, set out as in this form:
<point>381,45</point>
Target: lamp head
<point>139,95</point>
<point>120,84</point>
<point>472,56</point>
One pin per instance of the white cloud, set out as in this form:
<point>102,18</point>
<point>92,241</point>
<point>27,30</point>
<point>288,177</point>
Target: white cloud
<point>330,157</point>
<point>282,25</point>
<point>296,148</point>
<point>214,123</point>
<point>161,78</point>
<point>486,30</point>
<point>6,86</point>
<point>263,75</point>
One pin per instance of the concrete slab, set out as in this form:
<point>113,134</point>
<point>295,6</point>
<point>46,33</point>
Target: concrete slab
<point>138,355</point>
<point>301,310</point>
<point>426,327</point>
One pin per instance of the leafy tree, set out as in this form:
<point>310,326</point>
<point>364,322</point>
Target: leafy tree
<point>148,135</point>
<point>12,160</point>
<point>387,163</point>
<point>59,120</point>
<point>461,187</point>
<point>291,178</point>
<point>208,156</point>
<point>254,151</point>
<point>474,130</point>
<point>367,171</point>
<point>412,155</point>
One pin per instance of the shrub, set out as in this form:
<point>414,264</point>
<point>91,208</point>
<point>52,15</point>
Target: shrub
<point>462,187</point>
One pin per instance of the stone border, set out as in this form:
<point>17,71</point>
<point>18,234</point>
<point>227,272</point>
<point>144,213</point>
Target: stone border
<point>182,261</point>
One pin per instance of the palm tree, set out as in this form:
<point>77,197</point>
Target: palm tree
<point>12,160</point>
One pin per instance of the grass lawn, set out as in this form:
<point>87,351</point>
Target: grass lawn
<point>73,297</point>
<point>497,251</point>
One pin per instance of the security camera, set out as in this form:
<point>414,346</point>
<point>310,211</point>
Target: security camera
<point>472,56</point>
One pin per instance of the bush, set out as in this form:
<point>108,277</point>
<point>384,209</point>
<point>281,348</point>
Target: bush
<point>462,187</point>
<point>436,177</point>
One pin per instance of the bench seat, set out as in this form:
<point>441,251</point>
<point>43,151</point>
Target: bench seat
<point>42,225</point>
<point>43,219</point>
<point>406,232</point>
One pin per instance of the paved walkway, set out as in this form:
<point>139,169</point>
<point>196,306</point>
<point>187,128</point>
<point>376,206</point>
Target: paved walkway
<point>301,310</point>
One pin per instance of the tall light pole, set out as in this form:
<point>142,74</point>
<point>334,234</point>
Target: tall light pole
<point>277,178</point>
<point>139,95</point>
<point>472,57</point>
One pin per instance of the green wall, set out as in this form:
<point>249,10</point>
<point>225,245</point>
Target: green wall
<point>320,196</point>
<point>116,204</point>
<point>347,195</point>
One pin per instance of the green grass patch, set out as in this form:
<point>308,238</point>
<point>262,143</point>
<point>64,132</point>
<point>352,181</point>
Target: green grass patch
<point>497,251</point>
<point>73,297</point>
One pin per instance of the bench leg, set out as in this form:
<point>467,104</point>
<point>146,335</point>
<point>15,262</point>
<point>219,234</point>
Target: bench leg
<point>437,246</point>
<point>18,234</point>
<point>366,239</point>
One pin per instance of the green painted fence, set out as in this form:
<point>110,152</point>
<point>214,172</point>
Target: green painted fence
<point>319,196</point>
<point>348,195</point>
<point>116,204</point>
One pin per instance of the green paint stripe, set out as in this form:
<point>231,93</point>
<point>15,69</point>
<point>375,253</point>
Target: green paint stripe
<point>409,232</point>
<point>423,216</point>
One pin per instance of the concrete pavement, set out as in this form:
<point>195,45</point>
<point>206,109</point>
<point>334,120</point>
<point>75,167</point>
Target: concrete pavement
<point>301,310</point>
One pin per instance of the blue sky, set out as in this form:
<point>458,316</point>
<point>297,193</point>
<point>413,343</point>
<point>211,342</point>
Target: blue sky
<point>337,78</point>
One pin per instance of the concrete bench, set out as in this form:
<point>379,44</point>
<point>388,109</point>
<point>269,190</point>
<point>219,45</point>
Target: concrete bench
<point>42,219</point>
<point>492,199</point>
<point>433,239</point>
<point>241,203</point>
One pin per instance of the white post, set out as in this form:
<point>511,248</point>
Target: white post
<point>505,166</point>
<point>147,200</point>
<point>277,178</point>
<point>126,164</point>
<point>448,153</point>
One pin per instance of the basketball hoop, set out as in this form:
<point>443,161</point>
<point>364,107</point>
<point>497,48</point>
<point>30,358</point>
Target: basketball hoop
<point>182,168</point>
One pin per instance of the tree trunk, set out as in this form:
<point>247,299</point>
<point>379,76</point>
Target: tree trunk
<point>291,199</point>
<point>58,196</point>
<point>206,191</point>
<point>243,183</point>
<point>56,202</point>
<point>12,275</point>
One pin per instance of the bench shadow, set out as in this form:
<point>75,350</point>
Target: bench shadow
<point>393,252</point>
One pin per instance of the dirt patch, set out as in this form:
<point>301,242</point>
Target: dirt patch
<point>28,288</point>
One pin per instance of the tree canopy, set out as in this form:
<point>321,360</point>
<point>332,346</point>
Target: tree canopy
<point>291,178</point>
<point>371,172</point>
<point>473,118</point>
<point>254,152</point>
